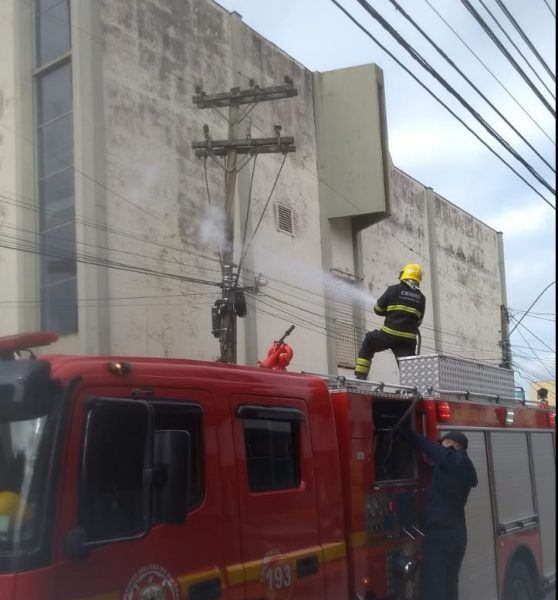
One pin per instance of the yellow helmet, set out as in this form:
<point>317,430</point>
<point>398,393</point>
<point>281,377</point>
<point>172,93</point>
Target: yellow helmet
<point>411,271</point>
<point>9,504</point>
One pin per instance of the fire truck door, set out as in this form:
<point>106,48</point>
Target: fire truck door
<point>477,577</point>
<point>107,491</point>
<point>544,475</point>
<point>280,540</point>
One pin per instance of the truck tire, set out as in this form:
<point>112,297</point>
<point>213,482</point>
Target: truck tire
<point>519,584</point>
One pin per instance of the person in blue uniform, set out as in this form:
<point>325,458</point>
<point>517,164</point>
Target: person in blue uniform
<point>403,306</point>
<point>452,477</point>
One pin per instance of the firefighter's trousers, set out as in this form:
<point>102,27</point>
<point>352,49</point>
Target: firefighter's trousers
<point>442,554</point>
<point>377,341</point>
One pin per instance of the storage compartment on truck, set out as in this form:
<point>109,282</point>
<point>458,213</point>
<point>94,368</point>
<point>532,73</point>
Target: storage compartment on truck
<point>394,454</point>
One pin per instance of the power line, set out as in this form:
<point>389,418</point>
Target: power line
<point>479,59</point>
<point>362,330</point>
<point>552,350</point>
<point>13,201</point>
<point>32,248</point>
<point>409,72</point>
<point>468,80</point>
<point>530,307</point>
<point>427,67</point>
<point>83,174</point>
<point>550,8</point>
<point>181,80</point>
<point>525,38</point>
<point>504,51</point>
<point>245,250</point>
<point>535,354</point>
<point>508,37</point>
<point>114,250</point>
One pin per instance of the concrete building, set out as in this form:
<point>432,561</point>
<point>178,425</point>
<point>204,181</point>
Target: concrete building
<point>110,235</point>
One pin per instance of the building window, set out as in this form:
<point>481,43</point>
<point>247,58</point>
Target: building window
<point>53,79</point>
<point>284,219</point>
<point>53,30</point>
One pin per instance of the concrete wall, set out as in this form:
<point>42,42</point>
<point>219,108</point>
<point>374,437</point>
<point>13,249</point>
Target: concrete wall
<point>153,56</point>
<point>148,234</point>
<point>461,281</point>
<point>18,207</point>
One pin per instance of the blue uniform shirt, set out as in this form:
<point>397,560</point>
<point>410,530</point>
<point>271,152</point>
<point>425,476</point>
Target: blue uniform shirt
<point>452,477</point>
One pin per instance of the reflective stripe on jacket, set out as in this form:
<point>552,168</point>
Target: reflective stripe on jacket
<point>403,308</point>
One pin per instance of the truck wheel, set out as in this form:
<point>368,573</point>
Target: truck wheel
<point>519,583</point>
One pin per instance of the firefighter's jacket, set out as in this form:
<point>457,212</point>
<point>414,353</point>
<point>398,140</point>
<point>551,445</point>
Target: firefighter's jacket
<point>451,479</point>
<point>403,308</point>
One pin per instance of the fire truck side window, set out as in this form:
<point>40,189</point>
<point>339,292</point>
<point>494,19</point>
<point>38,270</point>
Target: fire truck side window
<point>185,417</point>
<point>272,448</point>
<point>112,494</point>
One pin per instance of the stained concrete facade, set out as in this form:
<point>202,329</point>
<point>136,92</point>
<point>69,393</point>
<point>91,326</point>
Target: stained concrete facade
<point>148,235</point>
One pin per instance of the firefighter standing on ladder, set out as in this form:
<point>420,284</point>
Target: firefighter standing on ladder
<point>403,306</point>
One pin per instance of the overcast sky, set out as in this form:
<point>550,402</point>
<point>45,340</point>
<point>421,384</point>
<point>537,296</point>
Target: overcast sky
<point>429,144</point>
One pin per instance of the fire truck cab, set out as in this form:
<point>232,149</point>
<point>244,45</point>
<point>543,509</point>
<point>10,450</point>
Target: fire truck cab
<point>142,478</point>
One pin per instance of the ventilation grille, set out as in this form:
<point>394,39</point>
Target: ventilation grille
<point>284,219</point>
<point>345,344</point>
<point>340,292</point>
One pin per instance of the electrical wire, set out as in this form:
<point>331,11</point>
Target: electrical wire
<point>157,259</point>
<point>427,67</point>
<point>248,204</point>
<point>209,203</point>
<point>12,243</point>
<point>517,49</point>
<point>491,73</point>
<point>454,114</point>
<point>180,81</point>
<point>246,248</point>
<point>537,357</point>
<point>550,8</point>
<point>553,350</point>
<point>13,201</point>
<point>468,80</point>
<point>83,174</point>
<point>505,52</point>
<point>526,39</point>
<point>530,307</point>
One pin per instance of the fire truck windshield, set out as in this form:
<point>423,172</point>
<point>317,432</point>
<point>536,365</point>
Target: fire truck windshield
<point>23,476</point>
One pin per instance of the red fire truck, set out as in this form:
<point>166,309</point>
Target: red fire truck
<point>157,479</point>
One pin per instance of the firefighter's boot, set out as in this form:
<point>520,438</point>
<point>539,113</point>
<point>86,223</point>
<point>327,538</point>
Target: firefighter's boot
<point>362,368</point>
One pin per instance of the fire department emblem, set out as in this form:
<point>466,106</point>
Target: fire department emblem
<point>152,582</point>
<point>277,576</point>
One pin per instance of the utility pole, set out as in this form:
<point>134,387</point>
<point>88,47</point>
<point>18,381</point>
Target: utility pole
<point>505,334</point>
<point>232,304</point>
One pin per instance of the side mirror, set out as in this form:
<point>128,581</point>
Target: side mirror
<point>172,450</point>
<point>75,544</point>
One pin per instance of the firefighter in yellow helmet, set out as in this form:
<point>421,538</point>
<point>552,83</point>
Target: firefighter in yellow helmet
<point>403,306</point>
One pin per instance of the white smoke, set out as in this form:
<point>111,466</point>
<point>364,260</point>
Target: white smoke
<point>212,229</point>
